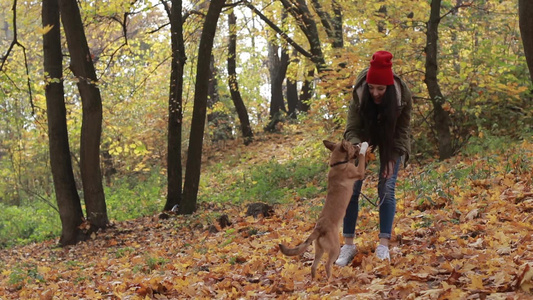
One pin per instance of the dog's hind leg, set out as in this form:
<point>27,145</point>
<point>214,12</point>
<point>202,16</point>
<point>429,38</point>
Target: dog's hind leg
<point>333,250</point>
<point>333,255</point>
<point>319,251</point>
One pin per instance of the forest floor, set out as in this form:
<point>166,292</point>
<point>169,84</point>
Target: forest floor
<point>472,239</point>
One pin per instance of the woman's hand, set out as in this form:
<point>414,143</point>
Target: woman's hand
<point>389,170</point>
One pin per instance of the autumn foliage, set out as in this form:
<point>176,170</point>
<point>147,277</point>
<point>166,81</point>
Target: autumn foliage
<point>463,230</point>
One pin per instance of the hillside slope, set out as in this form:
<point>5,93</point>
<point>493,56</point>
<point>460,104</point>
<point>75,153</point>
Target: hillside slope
<point>463,230</point>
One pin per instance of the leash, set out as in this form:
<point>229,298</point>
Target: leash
<point>378,201</point>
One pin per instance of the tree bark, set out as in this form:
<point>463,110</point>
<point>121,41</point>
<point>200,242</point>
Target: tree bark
<point>175,108</point>
<point>307,91</point>
<point>277,66</point>
<point>246,128</point>
<point>440,116</point>
<point>300,12</point>
<point>278,69</point>
<point>218,121</point>
<point>212,90</point>
<point>194,159</point>
<point>332,25</point>
<point>525,11</point>
<point>68,200</point>
<point>91,129</point>
<point>292,98</point>
<point>278,30</point>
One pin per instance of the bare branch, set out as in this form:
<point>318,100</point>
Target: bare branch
<point>278,30</point>
<point>184,18</point>
<point>16,42</point>
<point>456,8</point>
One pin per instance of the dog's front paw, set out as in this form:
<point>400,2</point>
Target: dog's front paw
<point>363,148</point>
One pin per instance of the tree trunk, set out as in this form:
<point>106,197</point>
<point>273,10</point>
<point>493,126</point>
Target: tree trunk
<point>300,12</point>
<point>382,13</point>
<point>246,128</point>
<point>525,11</point>
<point>175,110</point>
<point>219,123</point>
<point>91,129</point>
<point>278,69</point>
<point>332,25</point>
<point>212,90</point>
<point>307,91</point>
<point>68,200</point>
<point>338,40</point>
<point>292,98</point>
<point>440,116</point>
<point>294,104</point>
<point>194,160</point>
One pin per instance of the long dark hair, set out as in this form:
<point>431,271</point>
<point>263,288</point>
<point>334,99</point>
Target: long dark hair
<point>379,121</point>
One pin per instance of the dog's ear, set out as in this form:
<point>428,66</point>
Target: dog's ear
<point>329,145</point>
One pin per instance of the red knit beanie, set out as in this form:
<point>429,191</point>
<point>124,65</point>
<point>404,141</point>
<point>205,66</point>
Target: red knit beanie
<point>380,71</point>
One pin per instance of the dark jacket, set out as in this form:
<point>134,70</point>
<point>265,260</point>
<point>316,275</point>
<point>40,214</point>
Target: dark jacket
<point>355,126</point>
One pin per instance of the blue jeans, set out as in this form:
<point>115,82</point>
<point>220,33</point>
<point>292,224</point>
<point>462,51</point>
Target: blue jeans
<point>387,209</point>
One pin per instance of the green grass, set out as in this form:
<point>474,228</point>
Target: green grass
<point>131,198</point>
<point>25,224</point>
<point>272,182</point>
<point>23,274</point>
<point>126,199</point>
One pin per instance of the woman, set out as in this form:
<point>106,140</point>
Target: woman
<point>379,113</point>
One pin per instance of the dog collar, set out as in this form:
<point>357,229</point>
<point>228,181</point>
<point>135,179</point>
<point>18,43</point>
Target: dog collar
<point>339,163</point>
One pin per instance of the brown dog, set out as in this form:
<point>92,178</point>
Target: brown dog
<point>341,178</point>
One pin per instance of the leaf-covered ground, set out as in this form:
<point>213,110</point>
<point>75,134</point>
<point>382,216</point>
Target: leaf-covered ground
<point>454,239</point>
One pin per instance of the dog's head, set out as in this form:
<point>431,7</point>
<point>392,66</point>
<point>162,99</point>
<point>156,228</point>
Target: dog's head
<point>343,150</point>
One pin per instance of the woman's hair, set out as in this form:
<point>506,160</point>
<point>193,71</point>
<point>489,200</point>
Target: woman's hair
<point>380,121</point>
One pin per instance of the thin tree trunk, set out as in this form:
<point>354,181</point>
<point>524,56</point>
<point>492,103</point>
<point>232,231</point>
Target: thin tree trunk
<point>525,11</point>
<point>278,65</point>
<point>332,25</point>
<point>440,116</point>
<point>194,159</point>
<point>381,22</point>
<point>278,69</point>
<point>68,200</point>
<point>246,128</point>
<point>299,10</point>
<point>175,110</point>
<point>338,40</point>
<point>294,104</point>
<point>212,91</point>
<point>292,98</point>
<point>91,129</point>
<point>307,91</point>
<point>218,122</point>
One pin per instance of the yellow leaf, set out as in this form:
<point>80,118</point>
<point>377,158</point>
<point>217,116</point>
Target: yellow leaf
<point>43,269</point>
<point>526,284</point>
<point>45,29</point>
<point>477,282</point>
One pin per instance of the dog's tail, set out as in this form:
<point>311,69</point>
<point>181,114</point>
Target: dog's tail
<point>300,248</point>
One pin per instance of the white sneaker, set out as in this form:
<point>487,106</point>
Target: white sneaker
<point>382,252</point>
<point>346,255</point>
